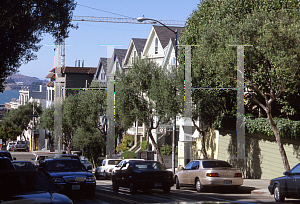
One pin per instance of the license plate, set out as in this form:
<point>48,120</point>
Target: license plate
<point>157,185</point>
<point>227,182</point>
<point>75,187</point>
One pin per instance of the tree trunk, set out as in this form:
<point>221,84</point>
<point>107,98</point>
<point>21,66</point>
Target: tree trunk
<point>160,159</point>
<point>94,165</point>
<point>202,139</point>
<point>278,140</point>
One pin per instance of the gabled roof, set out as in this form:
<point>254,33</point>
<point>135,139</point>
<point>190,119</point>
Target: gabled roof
<point>117,54</point>
<point>50,83</point>
<point>101,65</point>
<point>164,34</point>
<point>139,44</point>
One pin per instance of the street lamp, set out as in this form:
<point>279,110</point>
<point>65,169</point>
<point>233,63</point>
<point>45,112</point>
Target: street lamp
<point>141,19</point>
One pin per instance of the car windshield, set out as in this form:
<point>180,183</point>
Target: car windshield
<point>21,142</point>
<point>213,164</point>
<point>23,165</point>
<point>16,183</point>
<point>65,165</point>
<point>146,166</point>
<point>85,161</point>
<point>114,162</point>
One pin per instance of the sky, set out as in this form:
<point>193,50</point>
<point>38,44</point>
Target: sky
<point>86,42</point>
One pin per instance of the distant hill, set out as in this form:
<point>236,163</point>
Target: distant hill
<point>17,81</point>
<point>27,80</point>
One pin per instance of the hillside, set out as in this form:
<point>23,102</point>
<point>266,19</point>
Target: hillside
<point>16,81</point>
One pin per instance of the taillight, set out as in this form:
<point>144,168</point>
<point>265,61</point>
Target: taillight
<point>212,175</point>
<point>238,175</point>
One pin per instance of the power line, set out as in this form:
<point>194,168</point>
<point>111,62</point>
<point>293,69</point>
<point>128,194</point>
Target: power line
<point>104,11</point>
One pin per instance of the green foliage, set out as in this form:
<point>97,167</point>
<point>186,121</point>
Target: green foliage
<point>127,142</point>
<point>144,146</point>
<point>16,121</point>
<point>287,128</point>
<point>23,25</point>
<point>167,150</point>
<point>128,155</point>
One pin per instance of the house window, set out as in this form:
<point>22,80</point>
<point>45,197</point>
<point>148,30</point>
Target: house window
<point>156,46</point>
<point>102,76</point>
<point>174,61</point>
<point>117,65</point>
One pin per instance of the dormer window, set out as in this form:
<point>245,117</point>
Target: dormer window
<point>156,46</point>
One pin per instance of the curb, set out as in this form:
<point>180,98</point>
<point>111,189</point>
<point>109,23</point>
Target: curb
<point>259,191</point>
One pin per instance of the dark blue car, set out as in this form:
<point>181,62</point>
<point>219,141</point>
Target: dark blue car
<point>69,176</point>
<point>287,186</point>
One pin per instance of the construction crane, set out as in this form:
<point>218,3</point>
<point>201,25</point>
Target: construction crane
<point>124,20</point>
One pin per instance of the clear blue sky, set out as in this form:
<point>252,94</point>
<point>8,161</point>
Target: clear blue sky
<point>83,43</point>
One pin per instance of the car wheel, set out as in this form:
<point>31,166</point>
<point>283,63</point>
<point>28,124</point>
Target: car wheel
<point>166,189</point>
<point>277,194</point>
<point>199,186</point>
<point>115,187</point>
<point>177,183</point>
<point>132,188</point>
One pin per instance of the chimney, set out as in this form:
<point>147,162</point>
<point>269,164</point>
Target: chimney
<point>41,88</point>
<point>78,63</point>
<point>75,62</point>
<point>82,63</point>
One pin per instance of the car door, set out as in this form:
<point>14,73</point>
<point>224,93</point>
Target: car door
<point>293,184</point>
<point>124,174</point>
<point>184,177</point>
<point>192,173</point>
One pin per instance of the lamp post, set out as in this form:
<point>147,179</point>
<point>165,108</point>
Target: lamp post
<point>141,19</point>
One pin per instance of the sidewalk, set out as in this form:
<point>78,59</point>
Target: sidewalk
<point>258,186</point>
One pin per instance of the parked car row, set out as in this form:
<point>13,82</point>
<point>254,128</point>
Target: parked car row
<point>62,174</point>
<point>18,146</point>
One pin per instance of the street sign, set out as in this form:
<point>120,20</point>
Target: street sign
<point>33,115</point>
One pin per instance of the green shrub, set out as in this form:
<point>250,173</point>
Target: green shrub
<point>144,146</point>
<point>127,142</point>
<point>167,150</point>
<point>128,155</point>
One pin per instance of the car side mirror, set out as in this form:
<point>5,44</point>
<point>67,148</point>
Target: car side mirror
<point>286,173</point>
<point>181,168</point>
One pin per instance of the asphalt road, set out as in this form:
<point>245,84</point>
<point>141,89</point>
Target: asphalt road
<point>105,194</point>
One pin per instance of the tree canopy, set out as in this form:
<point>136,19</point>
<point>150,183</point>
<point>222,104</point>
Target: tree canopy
<point>146,93</point>
<point>23,24</point>
<point>271,62</point>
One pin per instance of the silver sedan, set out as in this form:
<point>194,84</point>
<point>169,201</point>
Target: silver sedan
<point>203,173</point>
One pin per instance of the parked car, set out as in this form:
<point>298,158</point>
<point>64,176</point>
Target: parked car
<point>28,187</point>
<point>143,175</point>
<point>5,164</point>
<point>69,176</point>
<point>10,146</point>
<point>204,173</point>
<point>105,170</point>
<point>87,165</point>
<point>23,165</point>
<point>287,186</point>
<point>22,145</point>
<point>39,158</point>
<point>117,167</point>
<point>66,156</point>
<point>7,154</point>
